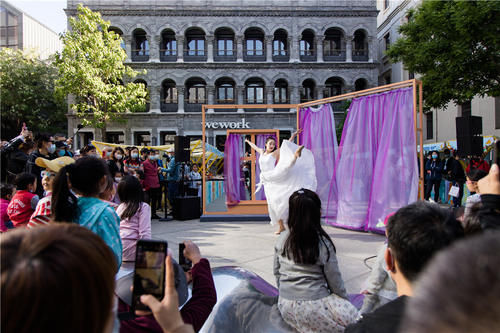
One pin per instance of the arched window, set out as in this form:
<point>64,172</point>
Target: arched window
<point>360,47</point>
<point>143,108</point>
<point>225,47</point>
<point>195,45</point>
<point>254,45</point>
<point>360,84</point>
<point>333,87</point>
<point>168,96</point>
<point>168,46</point>
<point>140,46</point>
<point>254,91</point>
<point>280,92</point>
<point>280,46</point>
<point>196,93</point>
<point>308,91</point>
<point>307,46</point>
<point>334,45</point>
<point>225,91</point>
<point>119,33</point>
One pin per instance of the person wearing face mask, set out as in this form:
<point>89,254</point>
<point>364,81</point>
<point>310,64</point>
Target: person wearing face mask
<point>133,163</point>
<point>61,147</point>
<point>115,163</point>
<point>453,172</point>
<point>151,181</point>
<point>45,149</point>
<point>88,150</point>
<point>433,169</point>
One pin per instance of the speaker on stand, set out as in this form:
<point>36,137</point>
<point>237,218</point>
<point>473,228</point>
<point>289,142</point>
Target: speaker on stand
<point>469,132</point>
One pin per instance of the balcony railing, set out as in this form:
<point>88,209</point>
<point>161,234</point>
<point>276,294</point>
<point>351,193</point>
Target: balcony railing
<point>254,55</point>
<point>195,55</point>
<point>224,55</point>
<point>169,107</point>
<point>168,55</point>
<point>307,55</point>
<point>140,55</point>
<point>360,55</point>
<point>281,56</point>
<point>225,101</point>
<point>334,55</point>
<point>193,107</point>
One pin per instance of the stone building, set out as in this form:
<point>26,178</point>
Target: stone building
<point>235,52</point>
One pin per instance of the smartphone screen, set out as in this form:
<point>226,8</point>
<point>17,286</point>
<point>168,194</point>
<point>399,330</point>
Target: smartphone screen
<point>183,261</point>
<point>149,274</point>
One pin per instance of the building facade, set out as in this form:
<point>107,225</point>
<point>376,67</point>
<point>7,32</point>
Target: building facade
<point>235,52</point>
<point>20,31</point>
<point>439,124</point>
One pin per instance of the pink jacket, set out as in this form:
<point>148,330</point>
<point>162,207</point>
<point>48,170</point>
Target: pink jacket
<point>151,179</point>
<point>134,228</point>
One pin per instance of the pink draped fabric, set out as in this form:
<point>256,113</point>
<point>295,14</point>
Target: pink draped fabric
<point>260,141</point>
<point>376,169</point>
<point>320,137</point>
<point>233,151</point>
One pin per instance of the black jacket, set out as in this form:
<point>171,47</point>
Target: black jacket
<point>453,170</point>
<point>489,213</point>
<point>385,319</point>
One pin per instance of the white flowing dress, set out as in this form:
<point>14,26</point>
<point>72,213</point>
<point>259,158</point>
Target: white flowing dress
<point>282,179</point>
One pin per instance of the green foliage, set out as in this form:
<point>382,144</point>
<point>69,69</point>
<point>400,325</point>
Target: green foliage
<point>455,46</point>
<point>91,69</point>
<point>27,94</point>
<point>340,124</point>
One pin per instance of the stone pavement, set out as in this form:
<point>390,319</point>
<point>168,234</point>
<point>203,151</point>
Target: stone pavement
<point>250,245</point>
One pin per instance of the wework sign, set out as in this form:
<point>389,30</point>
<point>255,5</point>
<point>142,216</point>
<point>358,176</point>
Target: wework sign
<point>227,124</point>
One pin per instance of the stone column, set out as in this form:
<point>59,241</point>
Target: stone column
<point>269,48</point>
<point>128,46</point>
<point>180,99</point>
<point>289,48</point>
<point>154,98</point>
<point>348,48</point>
<point>210,97</point>
<point>319,48</point>
<point>240,96</point>
<point>210,48</point>
<point>371,49</point>
<point>180,49</point>
<point>320,92</point>
<point>154,51</point>
<point>239,48</point>
<point>270,99</point>
<point>295,49</point>
<point>293,96</point>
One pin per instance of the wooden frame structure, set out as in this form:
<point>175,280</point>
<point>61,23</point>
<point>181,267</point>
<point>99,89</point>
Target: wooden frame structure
<point>253,206</point>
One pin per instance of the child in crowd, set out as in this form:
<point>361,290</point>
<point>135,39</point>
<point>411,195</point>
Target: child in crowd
<point>88,177</point>
<point>6,193</point>
<point>135,216</point>
<point>117,177</point>
<point>24,202</point>
<point>473,177</point>
<point>43,212</point>
<point>312,297</point>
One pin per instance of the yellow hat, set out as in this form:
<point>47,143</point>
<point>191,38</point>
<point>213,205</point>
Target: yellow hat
<point>54,165</point>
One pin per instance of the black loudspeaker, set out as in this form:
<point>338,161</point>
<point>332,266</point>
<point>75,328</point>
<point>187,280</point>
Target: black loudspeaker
<point>187,208</point>
<point>182,149</point>
<point>469,135</point>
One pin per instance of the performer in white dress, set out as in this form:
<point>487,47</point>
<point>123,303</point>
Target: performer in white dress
<point>282,172</point>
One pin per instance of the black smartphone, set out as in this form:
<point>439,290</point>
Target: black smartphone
<point>184,262</point>
<point>149,274</point>
<point>496,153</point>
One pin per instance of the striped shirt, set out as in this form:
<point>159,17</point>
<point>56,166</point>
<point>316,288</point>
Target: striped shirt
<point>41,216</point>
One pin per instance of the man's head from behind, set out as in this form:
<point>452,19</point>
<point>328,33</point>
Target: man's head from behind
<point>415,233</point>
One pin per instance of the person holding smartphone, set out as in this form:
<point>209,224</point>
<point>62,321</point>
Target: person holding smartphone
<point>164,313</point>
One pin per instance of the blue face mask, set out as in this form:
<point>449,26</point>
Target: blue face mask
<point>434,156</point>
<point>52,149</point>
<point>134,155</point>
<point>61,153</point>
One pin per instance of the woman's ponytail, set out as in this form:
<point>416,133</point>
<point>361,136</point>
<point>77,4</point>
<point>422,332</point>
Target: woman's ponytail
<point>64,202</point>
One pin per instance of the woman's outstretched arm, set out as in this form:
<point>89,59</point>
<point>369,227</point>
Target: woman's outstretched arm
<point>294,134</point>
<point>251,144</point>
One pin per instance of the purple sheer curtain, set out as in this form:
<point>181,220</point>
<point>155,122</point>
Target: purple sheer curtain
<point>376,169</point>
<point>319,136</point>
<point>233,151</point>
<point>260,141</point>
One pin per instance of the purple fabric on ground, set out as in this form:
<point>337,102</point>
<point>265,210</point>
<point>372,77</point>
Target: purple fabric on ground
<point>233,151</point>
<point>319,136</point>
<point>376,169</point>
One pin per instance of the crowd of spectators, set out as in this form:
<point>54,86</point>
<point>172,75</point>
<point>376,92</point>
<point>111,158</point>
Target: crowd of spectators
<point>73,211</point>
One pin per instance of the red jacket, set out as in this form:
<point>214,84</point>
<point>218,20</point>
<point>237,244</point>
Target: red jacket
<point>151,179</point>
<point>21,207</point>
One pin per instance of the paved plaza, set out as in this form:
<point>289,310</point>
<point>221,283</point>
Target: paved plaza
<point>250,245</point>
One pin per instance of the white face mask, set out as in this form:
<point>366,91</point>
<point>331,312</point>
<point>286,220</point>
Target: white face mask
<point>51,149</point>
<point>117,179</point>
<point>118,156</point>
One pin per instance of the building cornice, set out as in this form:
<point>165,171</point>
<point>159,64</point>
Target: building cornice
<point>402,6</point>
<point>251,66</point>
<point>298,12</point>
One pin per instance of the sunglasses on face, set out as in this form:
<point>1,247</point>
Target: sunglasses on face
<point>47,174</point>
